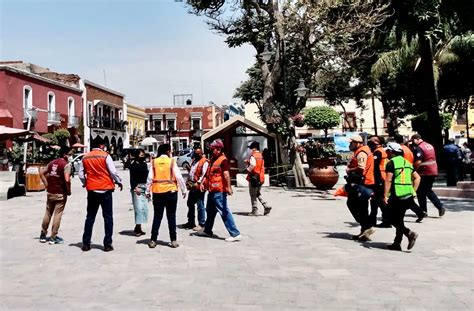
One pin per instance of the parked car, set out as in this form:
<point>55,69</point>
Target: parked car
<point>185,151</point>
<point>185,160</point>
<point>75,161</point>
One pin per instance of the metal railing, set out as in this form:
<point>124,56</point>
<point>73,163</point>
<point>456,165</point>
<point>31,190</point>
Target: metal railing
<point>54,117</point>
<point>106,123</point>
<point>73,121</point>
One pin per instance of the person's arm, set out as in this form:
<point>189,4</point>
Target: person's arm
<point>204,171</point>
<point>227,180</point>
<point>179,179</point>
<point>149,180</point>
<point>387,186</point>
<point>44,176</point>
<point>417,156</point>
<point>82,174</point>
<point>252,163</point>
<point>416,180</point>
<point>67,177</point>
<point>113,171</point>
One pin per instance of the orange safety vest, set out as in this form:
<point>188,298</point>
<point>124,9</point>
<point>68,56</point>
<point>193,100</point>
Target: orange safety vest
<point>383,162</point>
<point>368,173</point>
<point>97,173</point>
<point>259,168</point>
<point>216,178</point>
<point>408,154</point>
<point>200,165</point>
<point>163,177</point>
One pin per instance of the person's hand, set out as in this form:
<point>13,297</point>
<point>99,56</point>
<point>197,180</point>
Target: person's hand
<point>230,192</point>
<point>120,186</point>
<point>138,191</point>
<point>246,161</point>
<point>385,200</point>
<point>201,187</point>
<point>184,195</point>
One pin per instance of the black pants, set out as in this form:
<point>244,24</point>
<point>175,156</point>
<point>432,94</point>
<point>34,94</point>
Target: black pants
<point>359,209</point>
<point>196,197</point>
<point>397,210</point>
<point>375,203</point>
<point>168,200</point>
<point>425,190</point>
<point>94,200</point>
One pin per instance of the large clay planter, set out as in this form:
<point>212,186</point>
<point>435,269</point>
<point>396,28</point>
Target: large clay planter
<point>323,173</point>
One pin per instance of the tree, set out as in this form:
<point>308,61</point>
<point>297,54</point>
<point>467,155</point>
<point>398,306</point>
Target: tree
<point>303,35</point>
<point>322,118</point>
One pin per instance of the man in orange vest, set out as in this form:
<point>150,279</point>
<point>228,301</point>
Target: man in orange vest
<point>198,170</point>
<point>380,160</point>
<point>218,184</point>
<point>98,174</point>
<point>256,178</point>
<point>361,165</point>
<point>163,180</point>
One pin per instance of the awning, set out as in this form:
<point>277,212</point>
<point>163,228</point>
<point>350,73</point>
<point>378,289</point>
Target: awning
<point>40,138</point>
<point>10,132</point>
<point>78,145</point>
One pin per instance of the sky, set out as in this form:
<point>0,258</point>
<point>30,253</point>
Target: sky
<point>149,50</point>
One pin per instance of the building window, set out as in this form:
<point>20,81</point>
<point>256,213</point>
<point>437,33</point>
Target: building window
<point>71,107</point>
<point>196,123</point>
<point>171,124</point>
<point>157,125</point>
<point>461,117</point>
<point>349,123</point>
<point>27,99</point>
<point>51,102</point>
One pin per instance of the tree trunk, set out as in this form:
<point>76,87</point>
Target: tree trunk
<point>298,170</point>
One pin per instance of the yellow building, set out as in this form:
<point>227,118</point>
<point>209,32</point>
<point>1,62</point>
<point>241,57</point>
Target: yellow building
<point>136,117</point>
<point>463,122</point>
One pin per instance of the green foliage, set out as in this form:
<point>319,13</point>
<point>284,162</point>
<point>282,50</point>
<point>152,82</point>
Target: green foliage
<point>317,150</point>
<point>62,135</point>
<point>321,117</point>
<point>419,122</point>
<point>51,137</point>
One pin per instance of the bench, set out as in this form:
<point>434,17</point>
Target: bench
<point>9,186</point>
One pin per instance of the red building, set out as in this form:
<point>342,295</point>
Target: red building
<point>54,99</point>
<point>182,125</point>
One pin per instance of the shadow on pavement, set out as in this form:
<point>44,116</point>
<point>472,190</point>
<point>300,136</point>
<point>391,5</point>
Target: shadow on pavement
<point>352,224</point>
<point>337,235</point>
<point>93,246</point>
<point>245,214</point>
<point>216,237</point>
<point>158,242</point>
<point>127,233</point>
<point>380,245</point>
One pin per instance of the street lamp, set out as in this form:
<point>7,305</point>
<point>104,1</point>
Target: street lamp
<point>302,90</point>
<point>266,55</point>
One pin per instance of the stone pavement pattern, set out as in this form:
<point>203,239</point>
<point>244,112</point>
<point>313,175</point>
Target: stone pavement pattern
<point>300,257</point>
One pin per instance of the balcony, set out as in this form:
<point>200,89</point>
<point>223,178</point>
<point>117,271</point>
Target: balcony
<point>54,118</point>
<point>106,123</point>
<point>73,121</point>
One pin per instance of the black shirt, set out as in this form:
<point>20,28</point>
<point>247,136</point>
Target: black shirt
<point>138,173</point>
<point>377,173</point>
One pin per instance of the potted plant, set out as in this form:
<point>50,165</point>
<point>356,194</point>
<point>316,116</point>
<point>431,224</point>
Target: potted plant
<point>322,159</point>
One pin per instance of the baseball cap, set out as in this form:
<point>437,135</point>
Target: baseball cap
<point>356,138</point>
<point>394,147</point>
<point>217,144</point>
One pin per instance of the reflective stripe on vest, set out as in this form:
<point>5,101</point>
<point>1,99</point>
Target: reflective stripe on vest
<point>97,174</point>
<point>383,162</point>
<point>200,165</point>
<point>402,179</point>
<point>163,177</point>
<point>216,176</point>
<point>259,168</point>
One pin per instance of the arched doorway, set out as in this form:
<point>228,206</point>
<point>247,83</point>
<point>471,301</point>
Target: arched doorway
<point>113,148</point>
<point>107,142</point>
<point>119,146</point>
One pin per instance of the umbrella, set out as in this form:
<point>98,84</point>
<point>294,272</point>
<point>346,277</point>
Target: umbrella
<point>10,132</point>
<point>78,145</point>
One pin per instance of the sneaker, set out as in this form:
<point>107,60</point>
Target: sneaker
<point>187,226</point>
<point>267,211</point>
<point>233,238</point>
<point>254,212</point>
<point>56,240</point>
<point>198,228</point>
<point>394,247</point>
<point>366,234</point>
<point>108,248</point>
<point>152,244</point>
<point>140,233</point>
<point>421,217</point>
<point>174,244</point>
<point>203,234</point>
<point>86,248</point>
<point>411,239</point>
<point>43,238</point>
<point>442,211</point>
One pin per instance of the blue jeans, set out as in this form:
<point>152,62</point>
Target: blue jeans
<point>217,202</point>
<point>94,200</point>
<point>196,197</point>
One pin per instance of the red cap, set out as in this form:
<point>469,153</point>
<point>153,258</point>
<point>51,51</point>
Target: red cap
<point>217,144</point>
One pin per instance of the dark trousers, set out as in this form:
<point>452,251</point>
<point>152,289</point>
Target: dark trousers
<point>425,191</point>
<point>94,200</point>
<point>359,209</point>
<point>375,203</point>
<point>168,200</point>
<point>196,197</point>
<point>452,173</point>
<point>398,208</point>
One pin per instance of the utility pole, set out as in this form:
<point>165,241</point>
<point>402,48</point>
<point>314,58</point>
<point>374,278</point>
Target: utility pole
<point>373,110</point>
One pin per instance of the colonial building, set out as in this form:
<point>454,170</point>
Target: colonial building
<point>183,125</point>
<point>232,110</point>
<point>136,117</point>
<point>104,115</point>
<point>51,100</point>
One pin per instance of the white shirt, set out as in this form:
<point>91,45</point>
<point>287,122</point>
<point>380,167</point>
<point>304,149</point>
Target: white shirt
<point>252,163</point>
<point>193,170</point>
<point>176,173</point>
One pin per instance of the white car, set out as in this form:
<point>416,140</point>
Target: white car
<point>185,160</point>
<point>75,161</point>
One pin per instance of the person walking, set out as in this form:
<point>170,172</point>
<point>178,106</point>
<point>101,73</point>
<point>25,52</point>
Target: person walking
<point>198,170</point>
<point>400,187</point>
<point>410,157</point>
<point>138,178</point>
<point>453,158</point>
<point>218,185</point>
<point>466,161</point>
<point>98,175</point>
<point>425,165</point>
<point>380,160</point>
<point>256,178</point>
<point>57,180</point>
<point>163,180</point>
<point>361,167</point>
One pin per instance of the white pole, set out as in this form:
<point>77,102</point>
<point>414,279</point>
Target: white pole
<point>25,144</point>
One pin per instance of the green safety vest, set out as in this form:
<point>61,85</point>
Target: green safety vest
<point>402,180</point>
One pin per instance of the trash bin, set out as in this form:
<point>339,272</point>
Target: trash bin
<point>33,179</point>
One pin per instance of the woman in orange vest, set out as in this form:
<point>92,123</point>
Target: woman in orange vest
<point>163,180</point>
<point>256,178</point>
<point>218,184</point>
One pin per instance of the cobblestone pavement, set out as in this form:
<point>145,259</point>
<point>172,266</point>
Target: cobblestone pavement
<point>300,257</point>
